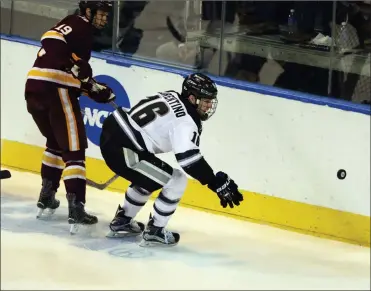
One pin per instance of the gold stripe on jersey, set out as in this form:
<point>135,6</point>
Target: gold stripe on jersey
<point>74,172</point>
<point>54,35</point>
<point>73,136</point>
<point>55,76</point>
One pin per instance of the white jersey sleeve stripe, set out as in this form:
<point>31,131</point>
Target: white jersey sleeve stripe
<point>189,161</point>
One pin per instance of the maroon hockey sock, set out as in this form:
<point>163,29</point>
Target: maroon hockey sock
<point>74,179</point>
<point>52,167</point>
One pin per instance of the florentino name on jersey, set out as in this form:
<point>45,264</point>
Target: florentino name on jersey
<point>174,103</point>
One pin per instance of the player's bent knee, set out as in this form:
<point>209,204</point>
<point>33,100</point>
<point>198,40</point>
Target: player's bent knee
<point>176,185</point>
<point>181,179</point>
<point>74,156</point>
<point>54,151</point>
<point>53,145</point>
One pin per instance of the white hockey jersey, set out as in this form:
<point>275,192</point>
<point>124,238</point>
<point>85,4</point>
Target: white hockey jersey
<point>162,124</point>
<point>166,126</point>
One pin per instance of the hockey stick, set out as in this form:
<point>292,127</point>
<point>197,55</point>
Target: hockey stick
<point>96,87</point>
<point>104,185</point>
<point>5,174</point>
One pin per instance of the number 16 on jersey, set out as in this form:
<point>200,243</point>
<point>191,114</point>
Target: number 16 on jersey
<point>196,138</point>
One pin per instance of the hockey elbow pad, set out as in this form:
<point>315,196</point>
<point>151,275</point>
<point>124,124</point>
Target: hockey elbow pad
<point>226,189</point>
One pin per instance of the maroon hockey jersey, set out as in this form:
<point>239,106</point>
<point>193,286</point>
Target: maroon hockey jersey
<point>71,37</point>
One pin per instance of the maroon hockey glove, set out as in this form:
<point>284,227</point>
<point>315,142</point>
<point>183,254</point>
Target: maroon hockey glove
<point>101,93</point>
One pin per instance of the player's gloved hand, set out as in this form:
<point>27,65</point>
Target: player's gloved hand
<point>101,93</point>
<point>82,70</point>
<point>226,189</point>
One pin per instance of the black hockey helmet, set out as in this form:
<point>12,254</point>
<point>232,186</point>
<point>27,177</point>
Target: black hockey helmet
<point>201,87</point>
<point>94,6</point>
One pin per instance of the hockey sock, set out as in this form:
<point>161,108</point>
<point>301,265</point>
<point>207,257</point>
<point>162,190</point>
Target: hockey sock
<point>74,177</point>
<point>135,199</point>
<point>52,167</point>
<point>169,198</point>
<point>164,208</point>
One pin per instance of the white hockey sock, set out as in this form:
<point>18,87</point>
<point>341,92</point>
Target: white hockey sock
<point>168,200</point>
<point>135,199</point>
<point>164,208</point>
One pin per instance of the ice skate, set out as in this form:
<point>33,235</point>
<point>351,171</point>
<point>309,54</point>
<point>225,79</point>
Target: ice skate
<point>124,226</point>
<point>77,215</point>
<point>47,204</point>
<point>158,236</point>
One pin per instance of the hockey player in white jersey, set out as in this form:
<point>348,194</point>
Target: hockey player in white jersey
<point>166,122</point>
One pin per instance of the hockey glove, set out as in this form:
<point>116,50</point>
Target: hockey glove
<point>226,189</point>
<point>99,92</point>
<point>81,70</point>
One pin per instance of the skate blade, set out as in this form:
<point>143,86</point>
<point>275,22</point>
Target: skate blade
<point>74,228</point>
<point>148,244</point>
<point>44,213</point>
<point>121,234</point>
<point>77,227</point>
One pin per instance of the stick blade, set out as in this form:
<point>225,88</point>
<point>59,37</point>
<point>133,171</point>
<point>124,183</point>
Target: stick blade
<point>95,185</point>
<point>5,174</point>
<point>101,186</point>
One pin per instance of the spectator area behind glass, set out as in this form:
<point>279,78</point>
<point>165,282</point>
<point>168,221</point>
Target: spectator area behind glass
<point>322,48</point>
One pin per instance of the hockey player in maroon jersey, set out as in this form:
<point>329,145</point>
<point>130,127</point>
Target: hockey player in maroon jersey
<point>61,73</point>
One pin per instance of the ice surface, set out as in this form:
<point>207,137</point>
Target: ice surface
<point>214,252</point>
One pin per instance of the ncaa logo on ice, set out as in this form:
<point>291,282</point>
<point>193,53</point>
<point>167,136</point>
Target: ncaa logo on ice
<point>95,113</point>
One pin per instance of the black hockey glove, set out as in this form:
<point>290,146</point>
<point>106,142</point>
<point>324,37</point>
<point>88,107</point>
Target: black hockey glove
<point>226,189</point>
